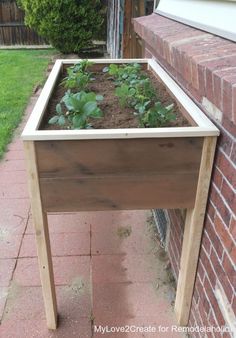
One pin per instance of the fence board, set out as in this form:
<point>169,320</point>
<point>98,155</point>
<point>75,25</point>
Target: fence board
<point>12,28</point>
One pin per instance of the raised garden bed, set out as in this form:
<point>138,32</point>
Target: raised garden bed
<point>114,169</point>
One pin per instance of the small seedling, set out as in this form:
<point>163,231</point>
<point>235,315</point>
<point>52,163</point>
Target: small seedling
<point>158,116</point>
<point>80,108</point>
<point>78,76</point>
<point>125,94</point>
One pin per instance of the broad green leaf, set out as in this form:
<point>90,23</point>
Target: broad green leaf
<point>99,97</point>
<point>61,121</point>
<point>78,122</point>
<point>96,113</point>
<point>59,109</point>
<point>53,120</point>
<point>89,108</point>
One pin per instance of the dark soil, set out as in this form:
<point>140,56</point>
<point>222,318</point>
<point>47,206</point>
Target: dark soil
<point>114,116</point>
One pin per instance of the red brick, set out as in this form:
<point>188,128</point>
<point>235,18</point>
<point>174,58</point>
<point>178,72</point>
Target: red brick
<point>234,304</point>
<point>173,262</point>
<point>233,254</point>
<point>227,98</point>
<point>206,243</point>
<point>217,177</point>
<point>229,269</point>
<point>233,152</point>
<point>210,211</point>
<point>229,195</point>
<point>196,296</point>
<point>213,302</point>
<point>221,62</point>
<point>214,238</point>
<point>220,205</point>
<point>200,270</point>
<point>226,167</point>
<point>225,142</point>
<point>214,324</point>
<point>234,105</point>
<point>202,310</point>
<point>198,285</point>
<point>209,86</point>
<point>232,227</point>
<point>221,276</point>
<point>208,268</point>
<point>229,125</point>
<point>223,233</point>
<point>217,92</point>
<point>147,54</point>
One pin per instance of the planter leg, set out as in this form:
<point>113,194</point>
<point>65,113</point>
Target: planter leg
<point>42,238</point>
<point>192,235</point>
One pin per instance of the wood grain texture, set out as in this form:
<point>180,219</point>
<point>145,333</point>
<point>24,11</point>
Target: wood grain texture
<point>118,192</point>
<point>91,158</point>
<point>192,235</point>
<point>118,174</point>
<point>42,237</point>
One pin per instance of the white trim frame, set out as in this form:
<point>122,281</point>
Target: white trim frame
<point>204,127</point>
<point>213,16</point>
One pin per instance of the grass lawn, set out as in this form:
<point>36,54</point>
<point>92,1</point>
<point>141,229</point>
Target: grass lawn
<point>20,72</point>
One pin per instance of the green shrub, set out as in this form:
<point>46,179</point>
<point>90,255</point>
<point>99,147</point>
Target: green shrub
<point>69,25</point>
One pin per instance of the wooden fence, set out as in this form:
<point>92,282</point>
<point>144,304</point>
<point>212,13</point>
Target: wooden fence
<point>12,28</point>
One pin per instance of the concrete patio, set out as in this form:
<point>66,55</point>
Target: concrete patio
<point>109,266</point>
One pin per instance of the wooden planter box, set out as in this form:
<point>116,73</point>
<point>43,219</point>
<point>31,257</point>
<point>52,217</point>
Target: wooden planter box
<point>115,169</point>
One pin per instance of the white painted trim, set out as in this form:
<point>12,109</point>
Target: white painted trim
<point>104,61</point>
<point>99,134</point>
<point>41,104</point>
<point>204,126</point>
<point>214,16</point>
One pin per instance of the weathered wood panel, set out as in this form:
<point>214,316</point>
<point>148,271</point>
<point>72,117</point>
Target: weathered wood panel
<point>118,193</point>
<point>118,157</point>
<point>118,174</point>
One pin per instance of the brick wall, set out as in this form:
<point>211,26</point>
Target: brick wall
<point>204,65</point>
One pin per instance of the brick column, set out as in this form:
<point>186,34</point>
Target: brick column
<point>204,65</point>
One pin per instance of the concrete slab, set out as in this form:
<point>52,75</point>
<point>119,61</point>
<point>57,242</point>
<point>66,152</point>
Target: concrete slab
<point>63,244</point>
<point>66,269</point>
<point>7,267</point>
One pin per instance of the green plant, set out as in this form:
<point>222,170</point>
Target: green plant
<point>124,73</point>
<point>69,25</point>
<point>82,66</point>
<point>157,116</point>
<point>80,108</point>
<point>78,76</point>
<point>76,80</point>
<point>145,88</point>
<point>125,94</point>
<point>142,103</point>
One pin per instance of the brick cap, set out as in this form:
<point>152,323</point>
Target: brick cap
<point>204,62</point>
